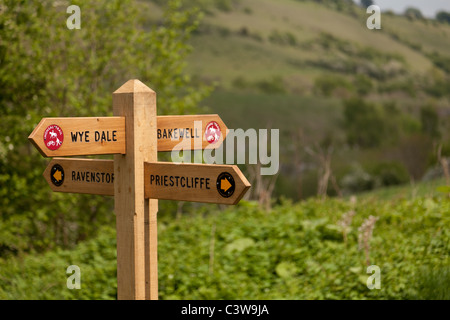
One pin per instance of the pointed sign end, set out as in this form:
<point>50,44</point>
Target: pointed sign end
<point>33,137</point>
<point>245,183</point>
<point>133,85</point>
<point>36,145</point>
<point>46,173</point>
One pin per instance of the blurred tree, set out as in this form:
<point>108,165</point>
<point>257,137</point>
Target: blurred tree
<point>363,84</point>
<point>366,3</point>
<point>440,61</point>
<point>429,119</point>
<point>413,13</point>
<point>389,173</point>
<point>363,123</point>
<point>443,16</point>
<point>48,70</point>
<point>414,152</point>
<point>326,84</point>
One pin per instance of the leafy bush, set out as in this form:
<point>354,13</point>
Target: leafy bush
<point>224,5</point>
<point>240,83</point>
<point>429,119</point>
<point>413,14</point>
<point>295,251</point>
<point>414,152</point>
<point>286,38</point>
<point>248,10</point>
<point>398,85</point>
<point>357,180</point>
<point>223,31</point>
<point>48,70</point>
<point>363,123</point>
<point>432,283</point>
<point>363,84</point>
<point>440,61</point>
<point>390,173</point>
<point>439,88</point>
<point>273,86</point>
<point>327,84</point>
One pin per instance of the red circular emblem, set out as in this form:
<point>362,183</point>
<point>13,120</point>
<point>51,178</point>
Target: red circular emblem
<point>212,132</point>
<point>53,137</point>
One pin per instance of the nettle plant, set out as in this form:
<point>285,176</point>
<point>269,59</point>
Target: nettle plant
<point>365,234</point>
<point>345,223</point>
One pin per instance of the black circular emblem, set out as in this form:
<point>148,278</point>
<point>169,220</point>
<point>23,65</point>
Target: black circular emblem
<point>225,184</point>
<point>57,175</point>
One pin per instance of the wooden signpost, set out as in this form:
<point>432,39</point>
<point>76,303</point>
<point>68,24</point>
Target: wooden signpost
<point>134,135</point>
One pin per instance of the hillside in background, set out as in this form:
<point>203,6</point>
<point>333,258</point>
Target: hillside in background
<point>378,98</point>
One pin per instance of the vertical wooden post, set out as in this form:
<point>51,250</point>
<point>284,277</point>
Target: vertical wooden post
<point>137,273</point>
<point>151,245</point>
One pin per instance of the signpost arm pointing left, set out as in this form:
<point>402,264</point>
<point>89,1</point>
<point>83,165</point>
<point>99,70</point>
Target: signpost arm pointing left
<point>34,139</point>
<point>61,137</point>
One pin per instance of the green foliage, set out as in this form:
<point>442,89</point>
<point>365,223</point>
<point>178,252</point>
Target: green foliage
<point>295,251</point>
<point>437,81</point>
<point>382,174</point>
<point>271,86</point>
<point>370,125</point>
<point>397,123</point>
<point>339,5</point>
<point>223,31</point>
<point>390,173</point>
<point>439,88</point>
<point>48,70</point>
<point>398,85</point>
<point>248,10</point>
<point>327,84</point>
<point>207,5</point>
<point>443,189</point>
<point>433,283</point>
<point>414,151</point>
<point>283,38</point>
<point>349,57</point>
<point>245,32</point>
<point>96,259</point>
<point>363,84</point>
<point>363,123</point>
<point>224,5</point>
<point>357,180</point>
<point>440,61</point>
<point>240,83</point>
<point>429,119</point>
